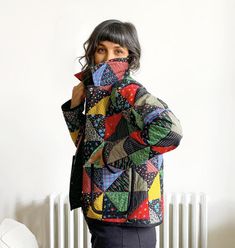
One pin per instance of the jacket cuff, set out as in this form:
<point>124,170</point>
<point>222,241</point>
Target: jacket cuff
<point>73,116</point>
<point>66,107</point>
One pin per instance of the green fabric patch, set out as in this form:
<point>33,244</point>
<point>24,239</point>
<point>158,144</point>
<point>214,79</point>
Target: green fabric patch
<point>138,119</point>
<point>156,133</point>
<point>119,199</point>
<point>140,156</point>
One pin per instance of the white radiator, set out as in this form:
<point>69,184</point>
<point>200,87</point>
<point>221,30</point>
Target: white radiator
<point>184,226</point>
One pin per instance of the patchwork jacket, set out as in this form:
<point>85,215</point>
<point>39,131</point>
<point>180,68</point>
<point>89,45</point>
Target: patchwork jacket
<point>134,128</point>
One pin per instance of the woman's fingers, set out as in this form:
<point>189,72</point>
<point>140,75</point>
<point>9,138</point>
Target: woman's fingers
<point>78,94</point>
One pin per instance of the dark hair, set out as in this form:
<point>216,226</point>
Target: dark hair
<point>122,33</point>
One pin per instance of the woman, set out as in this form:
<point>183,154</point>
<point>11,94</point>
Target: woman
<point>127,129</point>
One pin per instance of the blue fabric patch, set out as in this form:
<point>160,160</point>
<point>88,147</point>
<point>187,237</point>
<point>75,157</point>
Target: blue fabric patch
<point>97,75</point>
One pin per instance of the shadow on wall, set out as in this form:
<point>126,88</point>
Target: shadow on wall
<point>223,237</point>
<point>36,217</point>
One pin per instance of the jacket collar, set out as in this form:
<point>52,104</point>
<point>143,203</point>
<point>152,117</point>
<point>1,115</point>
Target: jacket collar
<point>108,72</point>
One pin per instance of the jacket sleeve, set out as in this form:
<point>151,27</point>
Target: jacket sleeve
<point>156,129</point>
<point>74,119</point>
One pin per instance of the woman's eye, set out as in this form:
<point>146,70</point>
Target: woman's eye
<point>98,50</point>
<point>119,51</point>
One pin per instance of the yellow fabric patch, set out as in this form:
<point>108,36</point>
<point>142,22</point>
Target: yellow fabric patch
<point>93,215</point>
<point>74,135</point>
<point>155,189</point>
<point>100,107</point>
<point>98,204</point>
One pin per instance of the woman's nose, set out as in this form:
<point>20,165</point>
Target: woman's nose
<point>109,56</point>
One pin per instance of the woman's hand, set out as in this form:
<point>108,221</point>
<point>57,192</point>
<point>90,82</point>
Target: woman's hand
<point>97,156</point>
<point>78,95</point>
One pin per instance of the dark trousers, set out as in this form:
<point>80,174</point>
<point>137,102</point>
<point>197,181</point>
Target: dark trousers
<point>112,236</point>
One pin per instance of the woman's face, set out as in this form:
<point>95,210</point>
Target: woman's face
<point>107,50</point>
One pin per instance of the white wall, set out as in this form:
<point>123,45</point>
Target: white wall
<point>188,61</point>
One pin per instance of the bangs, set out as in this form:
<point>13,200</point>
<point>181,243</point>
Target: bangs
<point>114,33</point>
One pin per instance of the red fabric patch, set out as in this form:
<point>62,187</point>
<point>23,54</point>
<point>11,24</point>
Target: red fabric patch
<point>161,149</point>
<point>115,220</point>
<point>111,123</point>
<point>142,212</point>
<point>129,93</point>
<point>97,189</point>
<point>151,167</point>
<point>79,75</point>
<point>86,182</point>
<point>136,135</point>
<point>118,68</point>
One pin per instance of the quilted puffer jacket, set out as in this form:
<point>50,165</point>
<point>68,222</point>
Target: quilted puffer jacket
<point>134,128</point>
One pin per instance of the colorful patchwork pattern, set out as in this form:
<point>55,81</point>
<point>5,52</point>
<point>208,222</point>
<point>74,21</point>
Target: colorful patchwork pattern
<point>134,128</point>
